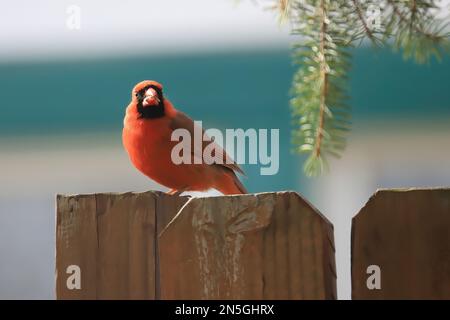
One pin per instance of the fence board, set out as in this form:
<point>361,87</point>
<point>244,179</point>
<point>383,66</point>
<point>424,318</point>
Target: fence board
<point>126,235</point>
<point>76,244</point>
<point>112,238</point>
<point>407,234</point>
<point>264,246</point>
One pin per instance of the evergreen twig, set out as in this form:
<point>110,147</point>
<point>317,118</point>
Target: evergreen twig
<point>327,29</point>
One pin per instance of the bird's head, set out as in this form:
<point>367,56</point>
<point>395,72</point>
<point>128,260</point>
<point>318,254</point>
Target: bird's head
<point>149,100</point>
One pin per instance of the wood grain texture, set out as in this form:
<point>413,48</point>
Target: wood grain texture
<point>167,207</point>
<point>126,246</point>
<point>76,244</point>
<point>263,246</point>
<point>407,234</point>
<point>112,238</point>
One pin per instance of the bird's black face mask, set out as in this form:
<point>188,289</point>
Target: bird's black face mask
<point>152,111</point>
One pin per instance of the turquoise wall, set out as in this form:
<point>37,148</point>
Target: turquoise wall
<point>226,90</point>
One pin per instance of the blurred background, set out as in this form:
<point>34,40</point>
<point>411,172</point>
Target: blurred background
<point>63,94</point>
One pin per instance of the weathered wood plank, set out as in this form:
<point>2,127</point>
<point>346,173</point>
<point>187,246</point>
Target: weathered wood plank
<point>126,246</point>
<point>75,220</point>
<point>407,234</point>
<point>167,206</point>
<point>263,246</point>
<point>111,237</point>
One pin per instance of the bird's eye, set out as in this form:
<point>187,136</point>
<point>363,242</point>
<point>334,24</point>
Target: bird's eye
<point>139,94</point>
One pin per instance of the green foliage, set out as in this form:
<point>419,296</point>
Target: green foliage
<point>326,30</point>
<point>416,30</point>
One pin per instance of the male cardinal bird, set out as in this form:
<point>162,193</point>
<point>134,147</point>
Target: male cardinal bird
<point>148,125</point>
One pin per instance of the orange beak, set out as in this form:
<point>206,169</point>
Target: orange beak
<point>150,98</point>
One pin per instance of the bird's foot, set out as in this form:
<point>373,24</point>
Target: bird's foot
<point>175,192</point>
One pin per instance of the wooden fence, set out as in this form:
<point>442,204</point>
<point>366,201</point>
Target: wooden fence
<point>154,246</point>
<point>261,246</point>
<point>405,236</point>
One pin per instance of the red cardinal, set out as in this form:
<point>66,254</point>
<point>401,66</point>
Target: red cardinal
<point>148,125</point>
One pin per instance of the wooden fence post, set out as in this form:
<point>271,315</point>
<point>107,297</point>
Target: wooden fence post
<point>405,236</point>
<point>261,246</point>
<point>112,239</point>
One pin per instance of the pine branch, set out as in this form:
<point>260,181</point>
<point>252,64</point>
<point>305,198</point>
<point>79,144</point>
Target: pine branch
<point>283,7</point>
<point>327,29</point>
<point>365,25</point>
<point>319,104</point>
<point>323,80</point>
<point>417,31</point>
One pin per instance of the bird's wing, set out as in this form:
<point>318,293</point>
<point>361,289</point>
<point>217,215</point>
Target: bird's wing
<point>182,121</point>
